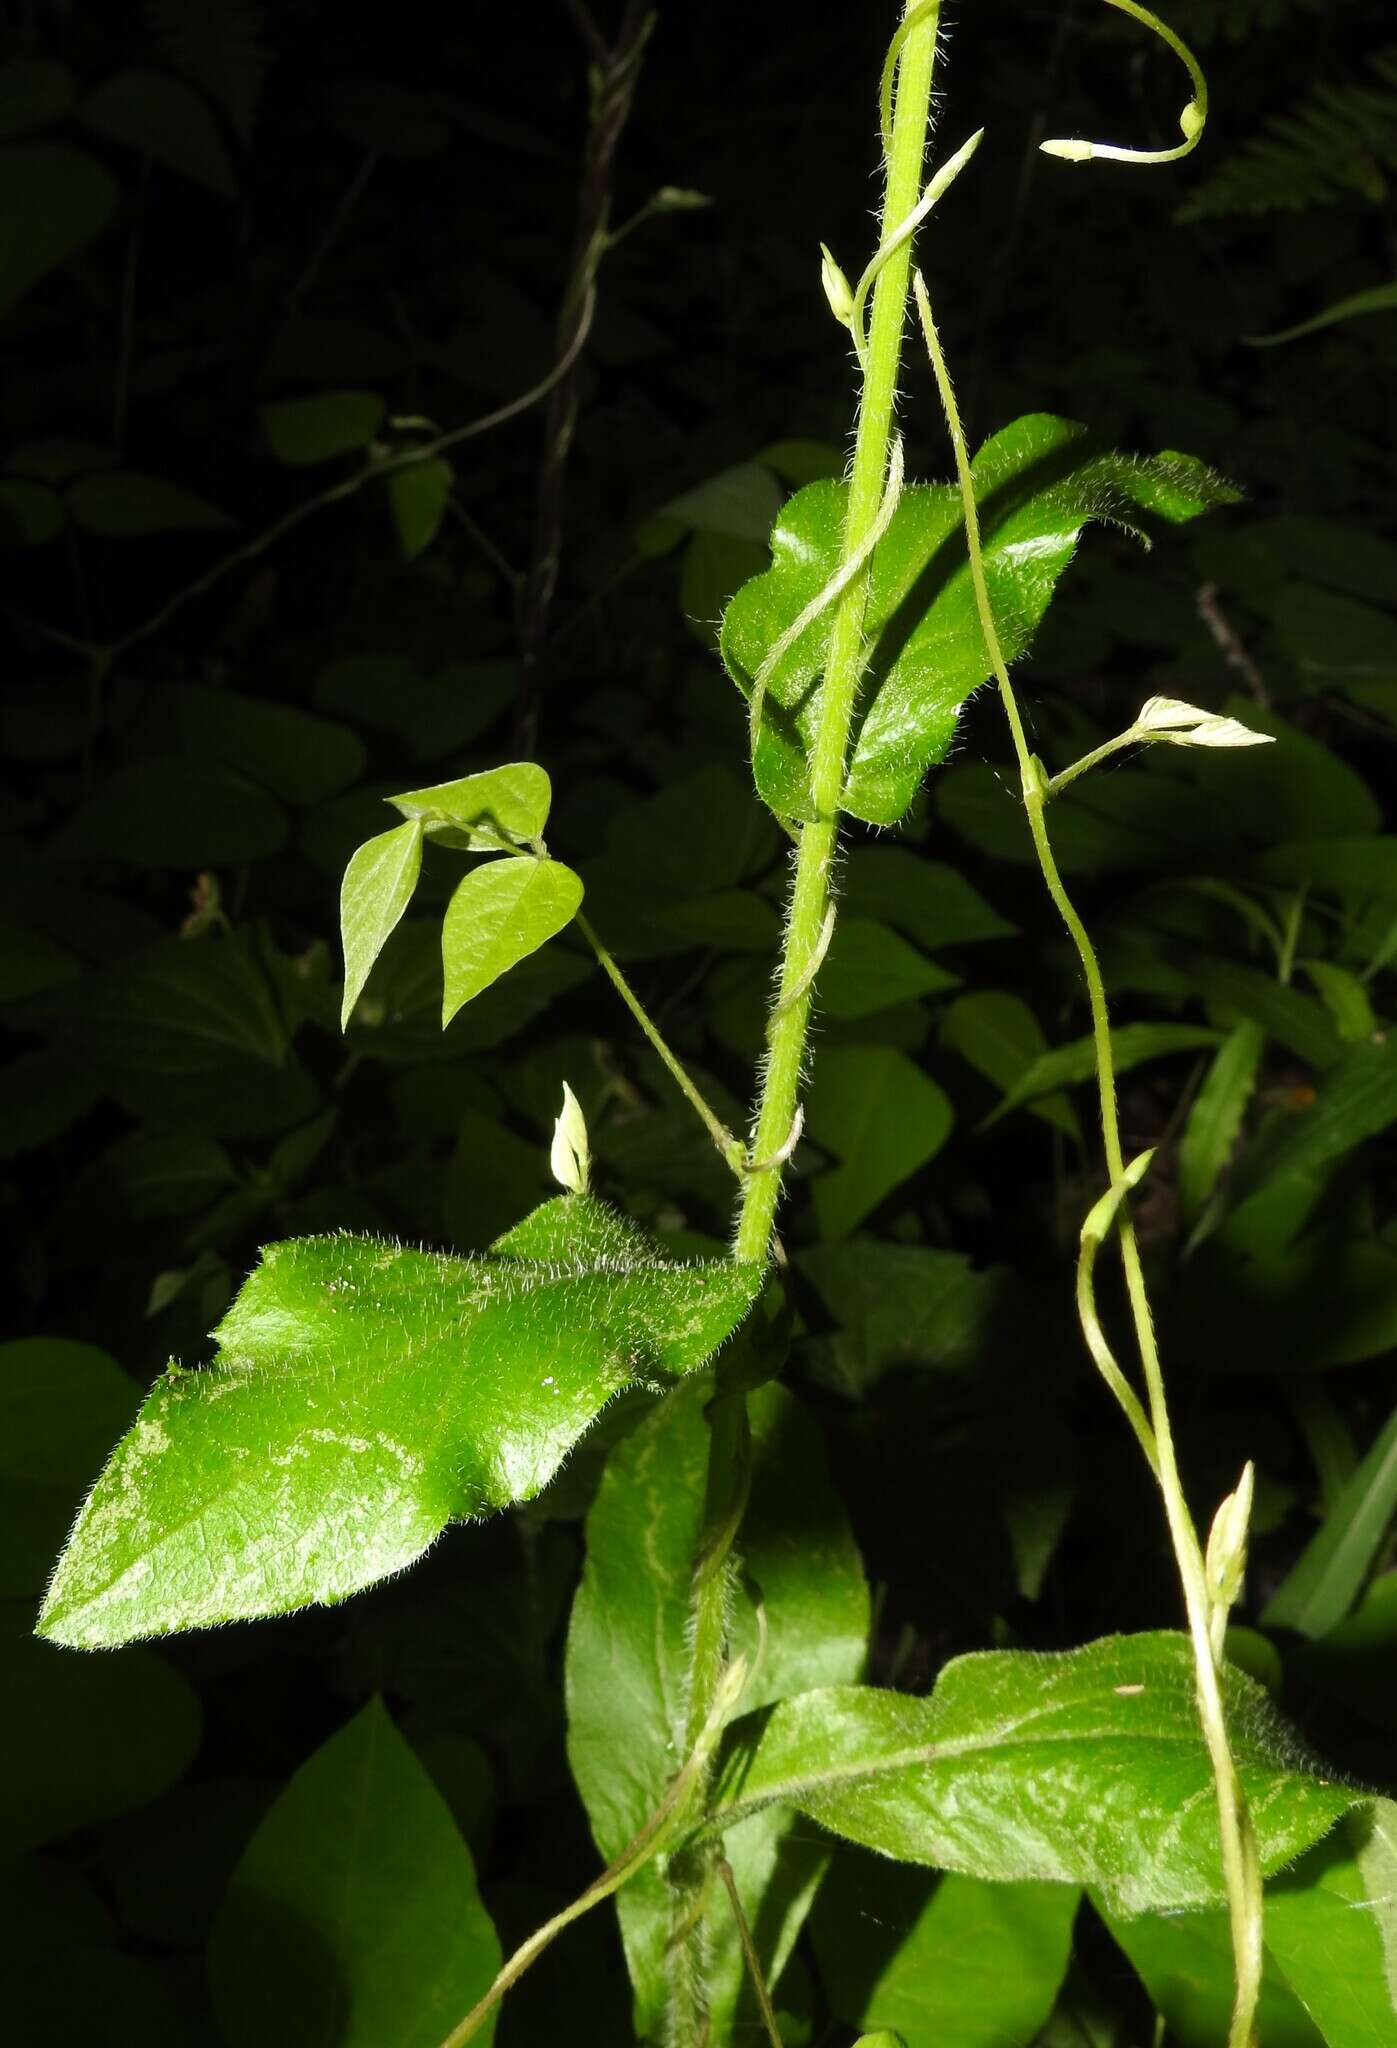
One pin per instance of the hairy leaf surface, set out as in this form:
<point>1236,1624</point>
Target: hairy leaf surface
<point>1038,483</point>
<point>1082,1766</point>
<point>365,1395</point>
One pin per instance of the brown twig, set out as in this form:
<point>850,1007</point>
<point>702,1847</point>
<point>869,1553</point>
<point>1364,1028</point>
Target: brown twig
<point>615,69</point>
<point>1210,611</point>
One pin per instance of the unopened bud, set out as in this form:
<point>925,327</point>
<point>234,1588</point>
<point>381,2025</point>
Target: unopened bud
<point>836,284</point>
<point>1226,1562</point>
<point>1185,725</point>
<point>570,1157</point>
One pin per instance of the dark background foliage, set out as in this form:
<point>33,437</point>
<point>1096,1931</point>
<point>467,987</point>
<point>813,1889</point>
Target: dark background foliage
<point>348,202</point>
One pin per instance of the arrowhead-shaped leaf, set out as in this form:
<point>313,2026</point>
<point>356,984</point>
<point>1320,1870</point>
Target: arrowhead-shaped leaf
<point>377,888</point>
<point>1083,1767</point>
<point>364,1396</point>
<point>1038,482</point>
<point>499,914</point>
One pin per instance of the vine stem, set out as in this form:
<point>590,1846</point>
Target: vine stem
<point>808,920</point>
<point>729,1146</point>
<point>1241,1869</point>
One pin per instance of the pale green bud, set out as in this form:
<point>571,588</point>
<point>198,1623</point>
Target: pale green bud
<point>570,1157</point>
<point>1226,1562</point>
<point>1185,725</point>
<point>836,284</point>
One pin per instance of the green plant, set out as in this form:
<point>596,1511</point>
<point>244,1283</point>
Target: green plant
<point>367,1395</point>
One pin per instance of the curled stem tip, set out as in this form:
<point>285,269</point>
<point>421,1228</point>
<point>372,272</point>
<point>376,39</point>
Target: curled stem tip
<point>1192,119</point>
<point>937,187</point>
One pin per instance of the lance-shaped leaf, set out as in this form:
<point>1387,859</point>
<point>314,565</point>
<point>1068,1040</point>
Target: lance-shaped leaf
<point>501,808</point>
<point>1082,1767</point>
<point>377,888</point>
<point>364,1396</point>
<point>1038,482</point>
<point>628,1669</point>
<point>499,914</point>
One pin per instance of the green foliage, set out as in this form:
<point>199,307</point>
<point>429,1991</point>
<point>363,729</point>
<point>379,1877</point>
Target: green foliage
<point>397,1951</point>
<point>1084,1767</point>
<point>364,1396</point>
<point>267,277</point>
<point>1041,482</point>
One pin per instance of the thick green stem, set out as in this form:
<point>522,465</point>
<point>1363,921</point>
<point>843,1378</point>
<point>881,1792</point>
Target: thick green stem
<point>816,845</point>
<point>1240,1869</point>
<point>807,927</point>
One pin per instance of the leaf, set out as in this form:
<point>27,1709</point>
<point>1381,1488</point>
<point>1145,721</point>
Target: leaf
<point>166,122</point>
<point>503,807</point>
<point>98,1735</point>
<point>999,1036</point>
<point>932,903</point>
<point>52,200</point>
<point>896,1305</point>
<point>1215,1120</point>
<point>302,430</point>
<point>435,714</point>
<point>122,504</point>
<point>187,1033</point>
<point>33,92</point>
<point>29,963</point>
<point>944,1959</point>
<point>1070,1065</point>
<point>389,1955</point>
<point>882,1118</point>
<point>1321,1588</point>
<point>161,811</point>
<point>1294,789</point>
<point>497,916</point>
<point>1038,482</point>
<point>377,888</point>
<point>1079,1767</point>
<point>30,513</point>
<point>364,1396</point>
<point>418,496</point>
<point>1291,1305</point>
<point>869,968</point>
<point>62,1406</point>
<point>1345,998</point>
<point>1354,1100</point>
<point>1331,1945</point>
<point>170,1173</point>
<point>628,1661</point>
<point>303,759</point>
<point>1378,298</point>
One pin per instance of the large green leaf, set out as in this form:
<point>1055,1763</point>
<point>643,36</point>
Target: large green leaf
<point>1355,1100</point>
<point>1215,1119</point>
<point>947,1960</point>
<point>1038,482</point>
<point>882,1117</point>
<point>1069,1065</point>
<point>1000,1037</point>
<point>628,1664</point>
<point>305,760</point>
<point>363,1397</point>
<point>1082,1767</point>
<point>353,1916</point>
<point>1331,1948</point>
<point>498,915</point>
<point>1321,1588</point>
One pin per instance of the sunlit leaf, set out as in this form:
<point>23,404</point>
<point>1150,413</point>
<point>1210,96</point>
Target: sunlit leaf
<point>363,1396</point>
<point>501,807</point>
<point>1082,1766</point>
<point>499,914</point>
<point>377,888</point>
<point>1039,482</point>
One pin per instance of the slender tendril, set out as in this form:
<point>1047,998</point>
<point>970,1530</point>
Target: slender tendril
<point>730,1147</point>
<point>1239,1853</point>
<point>1192,120</point>
<point>750,1956</point>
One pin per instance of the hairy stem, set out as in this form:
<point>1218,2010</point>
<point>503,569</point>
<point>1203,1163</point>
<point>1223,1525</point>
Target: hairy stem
<point>1240,1869</point>
<point>808,920</point>
<point>818,836</point>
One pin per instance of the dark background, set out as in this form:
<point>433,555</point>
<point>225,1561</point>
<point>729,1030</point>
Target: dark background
<point>389,208</point>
